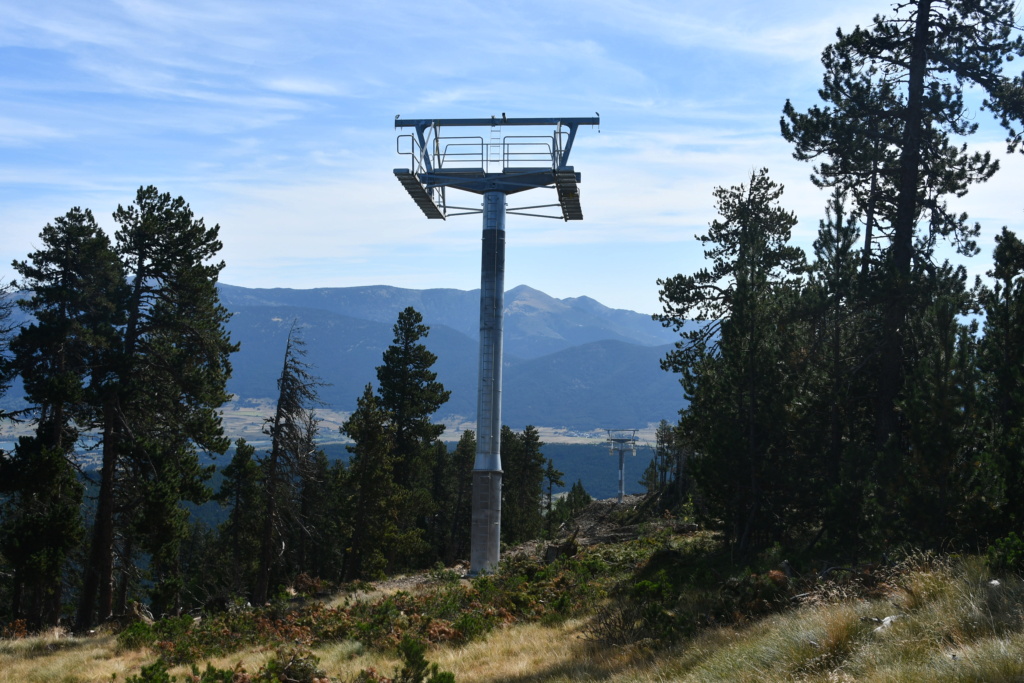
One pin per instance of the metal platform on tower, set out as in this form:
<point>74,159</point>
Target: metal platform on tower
<point>491,161</point>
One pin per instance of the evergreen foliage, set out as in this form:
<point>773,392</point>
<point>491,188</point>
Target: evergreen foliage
<point>240,490</point>
<point>158,393</point>
<point>76,286</point>
<point>849,402</point>
<point>1000,359</point>
<point>453,479</point>
<point>522,485</point>
<point>553,478</point>
<point>375,498</point>
<point>6,329</point>
<point>668,473</point>
<point>568,506</point>
<point>40,528</point>
<point>893,102</point>
<point>732,366</point>
<point>410,393</point>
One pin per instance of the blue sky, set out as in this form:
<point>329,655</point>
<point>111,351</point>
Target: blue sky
<point>275,120</point>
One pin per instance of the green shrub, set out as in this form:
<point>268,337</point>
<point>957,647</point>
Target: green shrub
<point>154,673</point>
<point>415,667</point>
<point>157,673</point>
<point>289,665</point>
<point>443,575</point>
<point>472,625</point>
<point>292,665</point>
<point>136,636</point>
<point>1007,554</point>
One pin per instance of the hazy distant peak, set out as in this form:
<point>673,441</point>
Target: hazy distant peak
<point>585,303</point>
<point>523,299</point>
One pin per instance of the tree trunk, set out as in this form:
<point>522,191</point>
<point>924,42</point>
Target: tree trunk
<point>100,571</point>
<point>891,379</point>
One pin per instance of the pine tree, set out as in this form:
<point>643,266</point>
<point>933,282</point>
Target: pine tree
<point>304,517</point>
<point>290,446</point>
<point>335,528</point>
<point>941,412</point>
<point>732,366</point>
<point>1001,362</point>
<point>160,386</point>
<point>895,92</point>
<point>461,465</point>
<point>570,505</point>
<point>671,455</point>
<point>40,527</point>
<point>7,328</point>
<point>410,393</point>
<point>833,428</point>
<point>522,485</point>
<point>553,478</point>
<point>241,492</point>
<point>75,287</point>
<point>374,498</point>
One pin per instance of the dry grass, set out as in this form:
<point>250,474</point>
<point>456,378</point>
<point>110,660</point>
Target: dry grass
<point>953,625</point>
<point>57,658</point>
<point>531,653</point>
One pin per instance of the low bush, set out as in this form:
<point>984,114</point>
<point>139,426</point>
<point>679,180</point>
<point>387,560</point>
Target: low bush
<point>288,665</point>
<point>523,589</point>
<point>136,636</point>
<point>1007,554</point>
<point>300,665</point>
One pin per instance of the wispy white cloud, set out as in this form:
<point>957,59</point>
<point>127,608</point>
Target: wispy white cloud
<point>20,133</point>
<point>303,86</point>
<point>794,31</point>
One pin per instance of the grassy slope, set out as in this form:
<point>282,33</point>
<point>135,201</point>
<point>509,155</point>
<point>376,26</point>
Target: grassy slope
<point>953,625</point>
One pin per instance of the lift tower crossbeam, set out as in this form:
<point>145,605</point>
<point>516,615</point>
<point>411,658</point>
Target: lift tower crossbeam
<point>494,166</point>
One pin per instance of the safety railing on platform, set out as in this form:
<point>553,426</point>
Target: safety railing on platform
<point>471,153</point>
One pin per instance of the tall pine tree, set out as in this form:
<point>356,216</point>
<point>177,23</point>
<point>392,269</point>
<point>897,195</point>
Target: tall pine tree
<point>1001,363</point>
<point>894,112</point>
<point>75,288</point>
<point>375,499</point>
<point>522,486</point>
<point>732,365</point>
<point>161,386</point>
<point>410,394</point>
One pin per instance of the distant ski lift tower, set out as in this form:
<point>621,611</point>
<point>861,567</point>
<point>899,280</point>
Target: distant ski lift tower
<point>493,165</point>
<point>622,440</point>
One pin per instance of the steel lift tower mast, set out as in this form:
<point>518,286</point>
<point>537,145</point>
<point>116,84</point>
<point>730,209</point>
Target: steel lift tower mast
<point>493,165</point>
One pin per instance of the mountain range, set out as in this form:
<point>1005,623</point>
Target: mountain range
<point>568,363</point>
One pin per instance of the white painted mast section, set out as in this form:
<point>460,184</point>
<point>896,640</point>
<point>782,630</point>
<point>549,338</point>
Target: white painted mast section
<point>485,538</point>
